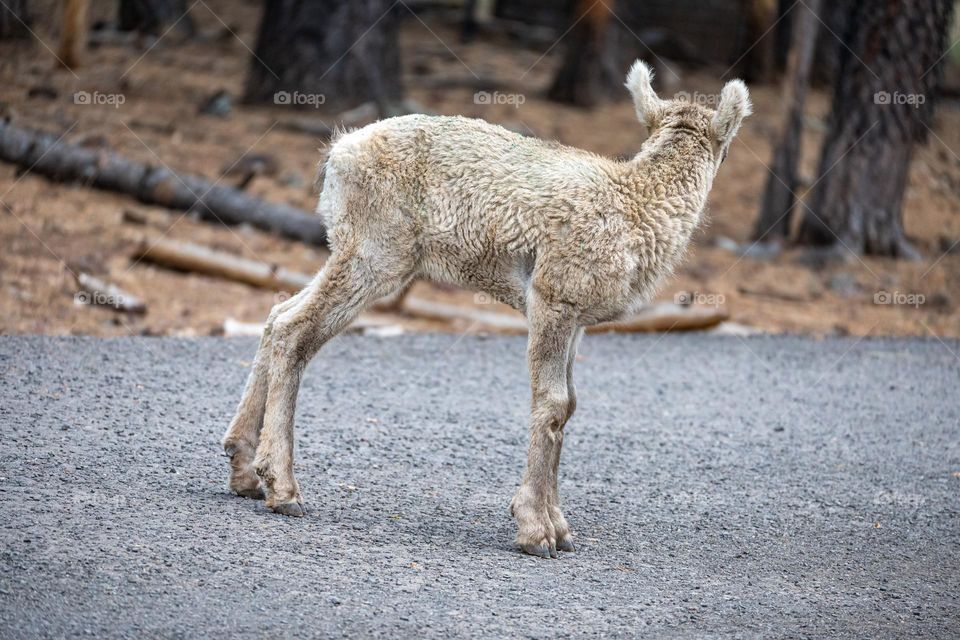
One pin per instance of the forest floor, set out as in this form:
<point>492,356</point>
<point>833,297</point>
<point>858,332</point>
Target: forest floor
<point>48,230</point>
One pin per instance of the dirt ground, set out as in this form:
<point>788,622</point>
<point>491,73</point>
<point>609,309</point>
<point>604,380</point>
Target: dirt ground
<point>50,230</point>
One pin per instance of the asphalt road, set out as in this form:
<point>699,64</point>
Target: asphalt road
<point>717,486</point>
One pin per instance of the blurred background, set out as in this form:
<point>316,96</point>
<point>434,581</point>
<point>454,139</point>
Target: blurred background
<point>158,157</point>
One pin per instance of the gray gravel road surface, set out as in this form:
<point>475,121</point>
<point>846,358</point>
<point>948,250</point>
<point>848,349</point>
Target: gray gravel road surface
<point>717,486</point>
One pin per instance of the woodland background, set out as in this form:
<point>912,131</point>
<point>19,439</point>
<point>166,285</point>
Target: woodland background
<point>158,156</point>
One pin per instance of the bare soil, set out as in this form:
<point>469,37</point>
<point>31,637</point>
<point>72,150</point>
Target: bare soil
<point>49,230</point>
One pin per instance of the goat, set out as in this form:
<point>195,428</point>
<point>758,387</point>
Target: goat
<point>567,237</point>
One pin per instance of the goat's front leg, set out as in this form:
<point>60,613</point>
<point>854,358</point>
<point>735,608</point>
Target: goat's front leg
<point>536,506</point>
<point>564,536</point>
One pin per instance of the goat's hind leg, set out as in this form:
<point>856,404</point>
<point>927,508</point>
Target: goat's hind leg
<point>350,281</point>
<point>242,436</point>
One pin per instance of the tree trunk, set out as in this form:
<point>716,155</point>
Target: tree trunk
<point>154,16</point>
<point>14,19</point>
<point>779,195</point>
<point>882,104</point>
<point>588,74</point>
<point>340,53</point>
<point>826,60</point>
<point>760,62</point>
<point>74,30</point>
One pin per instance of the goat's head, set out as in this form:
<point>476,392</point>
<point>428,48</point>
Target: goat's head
<point>717,127</point>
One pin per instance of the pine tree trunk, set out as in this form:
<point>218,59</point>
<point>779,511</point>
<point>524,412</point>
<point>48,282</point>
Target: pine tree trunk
<point>882,105</point>
<point>14,19</point>
<point>588,73</point>
<point>779,195</point>
<point>826,60</point>
<point>74,32</point>
<point>154,16</point>
<point>343,52</point>
<point>760,62</point>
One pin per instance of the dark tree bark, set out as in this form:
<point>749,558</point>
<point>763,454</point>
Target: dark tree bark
<point>882,104</point>
<point>14,19</point>
<point>760,62</point>
<point>826,60</point>
<point>588,74</point>
<point>779,195</point>
<point>343,50</point>
<point>154,16</point>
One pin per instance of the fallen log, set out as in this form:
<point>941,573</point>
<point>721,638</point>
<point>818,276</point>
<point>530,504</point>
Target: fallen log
<point>44,154</point>
<point>365,324</point>
<point>660,316</point>
<point>494,320</point>
<point>187,256</point>
<point>666,316</point>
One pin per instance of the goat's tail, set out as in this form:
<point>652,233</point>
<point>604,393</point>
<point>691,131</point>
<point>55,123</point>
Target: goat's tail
<point>337,133</point>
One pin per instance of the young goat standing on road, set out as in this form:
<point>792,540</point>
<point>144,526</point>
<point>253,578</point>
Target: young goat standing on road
<point>567,237</point>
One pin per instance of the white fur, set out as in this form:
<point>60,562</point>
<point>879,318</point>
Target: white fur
<point>645,100</point>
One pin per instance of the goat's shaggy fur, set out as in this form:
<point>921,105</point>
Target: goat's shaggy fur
<point>568,237</point>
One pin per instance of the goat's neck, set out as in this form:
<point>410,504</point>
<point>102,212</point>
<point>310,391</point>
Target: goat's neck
<point>672,176</point>
<point>668,183</point>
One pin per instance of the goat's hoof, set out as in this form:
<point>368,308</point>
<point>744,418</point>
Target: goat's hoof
<point>544,549</point>
<point>293,509</point>
<point>246,484</point>
<point>566,545</point>
<point>250,492</point>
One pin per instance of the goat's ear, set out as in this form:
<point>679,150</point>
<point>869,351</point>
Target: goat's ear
<point>645,99</point>
<point>734,107</point>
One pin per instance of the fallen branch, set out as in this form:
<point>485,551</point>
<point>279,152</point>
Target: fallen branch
<point>187,256</point>
<point>666,316</point>
<point>44,154</point>
<point>365,324</point>
<point>96,292</point>
<point>494,320</point>
<point>661,316</point>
